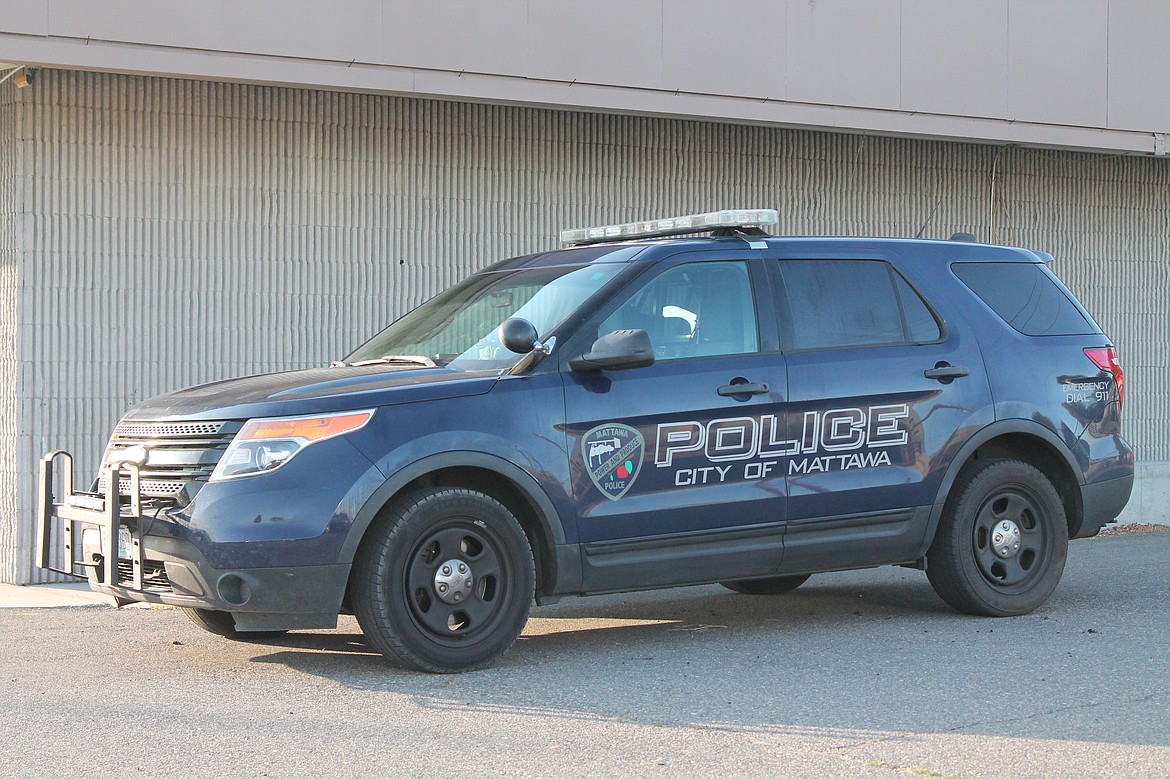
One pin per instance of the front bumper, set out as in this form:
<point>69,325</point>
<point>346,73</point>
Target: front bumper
<point>132,555</point>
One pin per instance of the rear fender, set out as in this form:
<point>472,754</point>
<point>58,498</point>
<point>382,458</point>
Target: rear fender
<point>993,431</point>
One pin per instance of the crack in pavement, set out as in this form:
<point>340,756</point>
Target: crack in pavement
<point>1057,710</point>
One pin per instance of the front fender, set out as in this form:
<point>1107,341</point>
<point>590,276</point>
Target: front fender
<point>563,559</point>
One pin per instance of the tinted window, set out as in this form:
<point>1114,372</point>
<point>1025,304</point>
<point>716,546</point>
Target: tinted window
<point>838,303</point>
<point>921,326</point>
<point>695,310</point>
<point>1025,296</point>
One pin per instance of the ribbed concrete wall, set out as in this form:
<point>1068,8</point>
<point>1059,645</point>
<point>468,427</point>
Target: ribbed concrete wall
<point>11,243</point>
<point>182,232</point>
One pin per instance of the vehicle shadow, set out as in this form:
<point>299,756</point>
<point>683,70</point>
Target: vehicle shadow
<point>848,654</point>
<point>585,626</point>
<point>589,622</point>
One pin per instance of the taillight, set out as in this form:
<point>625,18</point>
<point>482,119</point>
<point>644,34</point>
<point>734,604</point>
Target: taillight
<point>1105,358</point>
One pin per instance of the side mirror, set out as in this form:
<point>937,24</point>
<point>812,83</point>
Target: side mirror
<point>518,335</point>
<point>618,350</point>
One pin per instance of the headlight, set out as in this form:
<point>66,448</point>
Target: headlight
<point>263,445</point>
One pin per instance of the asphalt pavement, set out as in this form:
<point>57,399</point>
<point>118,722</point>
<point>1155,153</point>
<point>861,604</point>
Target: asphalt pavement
<point>863,673</point>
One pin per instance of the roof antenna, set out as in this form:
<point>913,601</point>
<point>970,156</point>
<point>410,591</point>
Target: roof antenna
<point>930,216</point>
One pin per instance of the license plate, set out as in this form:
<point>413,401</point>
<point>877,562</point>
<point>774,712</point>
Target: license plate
<point>124,542</point>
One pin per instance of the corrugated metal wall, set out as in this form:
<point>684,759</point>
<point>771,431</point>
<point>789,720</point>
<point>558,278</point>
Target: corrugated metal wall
<point>183,231</point>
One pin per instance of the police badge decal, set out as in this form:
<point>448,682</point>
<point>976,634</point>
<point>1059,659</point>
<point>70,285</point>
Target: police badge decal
<point>613,458</point>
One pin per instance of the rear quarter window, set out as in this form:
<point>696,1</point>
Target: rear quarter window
<point>1025,296</point>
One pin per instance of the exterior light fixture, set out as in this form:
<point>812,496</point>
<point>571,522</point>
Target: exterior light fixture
<point>20,75</point>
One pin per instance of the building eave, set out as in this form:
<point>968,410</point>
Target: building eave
<point>405,80</point>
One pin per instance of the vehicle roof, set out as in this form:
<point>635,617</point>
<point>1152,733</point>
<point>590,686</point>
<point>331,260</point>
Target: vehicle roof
<point>650,249</point>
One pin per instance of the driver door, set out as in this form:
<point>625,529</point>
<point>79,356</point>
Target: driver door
<point>675,475</point>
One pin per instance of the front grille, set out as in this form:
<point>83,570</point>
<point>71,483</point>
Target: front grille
<point>150,487</point>
<point>151,430</point>
<point>154,576</point>
<point>178,453</point>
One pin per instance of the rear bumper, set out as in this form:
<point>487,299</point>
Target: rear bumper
<point>1103,501</point>
<point>153,564</point>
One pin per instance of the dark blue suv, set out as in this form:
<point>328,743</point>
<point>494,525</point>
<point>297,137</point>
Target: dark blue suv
<point>636,411</point>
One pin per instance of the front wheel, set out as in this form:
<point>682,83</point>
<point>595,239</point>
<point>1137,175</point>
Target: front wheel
<point>1002,541</point>
<point>444,581</point>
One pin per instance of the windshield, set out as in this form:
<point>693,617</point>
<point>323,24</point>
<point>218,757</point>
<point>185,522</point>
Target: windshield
<point>458,328</point>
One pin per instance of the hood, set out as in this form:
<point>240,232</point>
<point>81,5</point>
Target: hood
<point>314,391</point>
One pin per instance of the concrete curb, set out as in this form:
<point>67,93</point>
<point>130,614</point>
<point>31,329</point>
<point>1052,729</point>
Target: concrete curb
<point>47,596</point>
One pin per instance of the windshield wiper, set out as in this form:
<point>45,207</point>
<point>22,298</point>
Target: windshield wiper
<point>389,359</point>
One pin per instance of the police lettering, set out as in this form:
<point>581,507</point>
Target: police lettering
<point>744,438</point>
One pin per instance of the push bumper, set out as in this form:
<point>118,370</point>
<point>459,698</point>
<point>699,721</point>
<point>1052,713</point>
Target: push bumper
<point>107,539</point>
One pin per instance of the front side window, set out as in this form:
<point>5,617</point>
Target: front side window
<point>833,304</point>
<point>458,328</point>
<point>701,309</point>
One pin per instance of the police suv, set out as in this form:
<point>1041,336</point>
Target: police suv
<point>639,410</point>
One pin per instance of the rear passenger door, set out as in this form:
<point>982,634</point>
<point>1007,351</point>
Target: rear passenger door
<point>882,391</point>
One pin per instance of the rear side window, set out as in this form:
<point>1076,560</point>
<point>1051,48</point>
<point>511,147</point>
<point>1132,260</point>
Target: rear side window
<point>830,304</point>
<point>1024,296</point>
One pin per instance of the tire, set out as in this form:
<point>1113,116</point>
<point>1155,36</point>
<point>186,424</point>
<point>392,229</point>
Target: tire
<point>1012,503</point>
<point>775,585</point>
<point>415,603</point>
<point>221,623</point>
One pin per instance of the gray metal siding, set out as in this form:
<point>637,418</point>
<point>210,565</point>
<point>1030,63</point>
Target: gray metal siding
<point>1070,74</point>
<point>1076,62</point>
<point>183,231</point>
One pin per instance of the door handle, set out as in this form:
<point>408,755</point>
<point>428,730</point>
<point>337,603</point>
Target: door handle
<point>748,388</point>
<point>945,372</point>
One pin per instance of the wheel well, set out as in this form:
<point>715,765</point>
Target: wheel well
<point>499,487</point>
<point>1043,457</point>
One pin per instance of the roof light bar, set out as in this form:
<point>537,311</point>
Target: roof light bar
<point>760,218</point>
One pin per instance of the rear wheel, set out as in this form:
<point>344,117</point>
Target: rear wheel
<point>1002,541</point>
<point>222,623</point>
<point>444,581</point>
<point>776,585</point>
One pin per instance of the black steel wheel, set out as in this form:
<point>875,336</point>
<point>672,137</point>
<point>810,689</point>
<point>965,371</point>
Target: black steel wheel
<point>222,623</point>
<point>444,581</point>
<point>775,585</point>
<point>1002,541</point>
